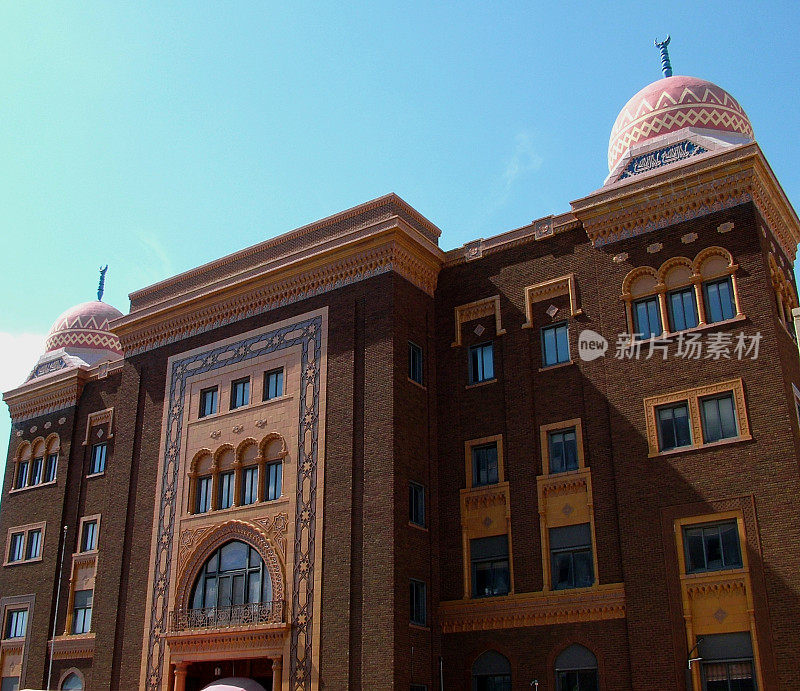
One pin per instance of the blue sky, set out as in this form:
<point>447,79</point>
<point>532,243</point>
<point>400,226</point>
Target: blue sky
<point>157,136</point>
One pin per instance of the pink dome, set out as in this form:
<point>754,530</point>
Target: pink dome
<point>671,104</point>
<point>85,326</point>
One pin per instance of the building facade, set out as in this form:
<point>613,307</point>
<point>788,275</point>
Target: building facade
<point>564,457</point>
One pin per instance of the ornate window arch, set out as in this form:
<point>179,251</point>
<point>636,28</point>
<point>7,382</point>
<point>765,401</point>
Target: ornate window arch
<point>200,481</point>
<point>785,294</point>
<point>576,669</point>
<point>72,680</point>
<point>22,463</point>
<point>247,461</point>
<point>491,671</point>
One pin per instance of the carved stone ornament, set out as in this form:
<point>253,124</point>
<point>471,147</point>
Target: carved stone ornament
<point>689,237</point>
<point>655,247</point>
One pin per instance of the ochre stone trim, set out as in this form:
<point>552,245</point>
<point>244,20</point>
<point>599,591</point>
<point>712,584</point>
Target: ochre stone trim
<point>25,529</point>
<point>475,310</point>
<point>547,290</point>
<point>785,293</point>
<point>233,643</point>
<point>41,397</point>
<point>74,647</point>
<point>101,417</point>
<point>544,439</point>
<point>693,396</point>
<point>534,609</point>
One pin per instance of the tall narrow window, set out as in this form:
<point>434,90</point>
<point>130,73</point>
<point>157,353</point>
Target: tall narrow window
<point>481,363</point>
<point>16,623</point>
<point>571,557</point>
<point>484,465</point>
<point>249,485</point>
<point>226,485</point>
<point>98,460</point>
<point>22,475</point>
<point>416,504</point>
<point>208,401</point>
<point>240,392</point>
<point>719,299</point>
<point>16,549</point>
<point>682,306</point>
<point>34,546</point>
<point>82,611</point>
<point>563,450</point>
<point>712,547</point>
<point>719,418</point>
<point>272,488</point>
<point>415,363</point>
<point>273,384</point>
<point>36,470</point>
<point>203,496</point>
<point>647,318</point>
<point>89,536</point>
<point>555,344</point>
<point>673,426</point>
<point>419,604</point>
<point>51,468</point>
<point>489,561</point>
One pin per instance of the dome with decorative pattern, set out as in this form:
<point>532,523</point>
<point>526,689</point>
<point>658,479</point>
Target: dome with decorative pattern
<point>85,326</point>
<point>671,104</point>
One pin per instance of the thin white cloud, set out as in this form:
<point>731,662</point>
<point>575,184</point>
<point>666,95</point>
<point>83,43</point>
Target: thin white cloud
<point>153,244</point>
<point>522,161</point>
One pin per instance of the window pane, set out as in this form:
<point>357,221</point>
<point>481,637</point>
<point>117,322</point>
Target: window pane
<point>563,451</point>
<point>273,481</point>
<point>719,300</point>
<point>731,553</point>
<point>15,550</point>
<point>484,465</point>
<point>713,546</point>
<point>562,344</point>
<point>22,475</point>
<point>647,317</point>
<point>203,494</point>
<point>549,341</point>
<point>240,393</point>
<point>34,544</point>
<point>584,571</point>
<point>682,309</point>
<point>555,344</point>
<point>98,464</point>
<point>416,499</point>
<point>16,623</point>
<point>673,426</point>
<point>273,384</point>
<point>233,556</point>
<point>52,465</point>
<point>226,485</point>
<point>36,471</point>
<point>727,417</point>
<point>208,401</point>
<point>695,553</point>
<point>562,570</point>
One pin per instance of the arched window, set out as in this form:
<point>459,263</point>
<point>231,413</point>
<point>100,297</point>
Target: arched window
<point>233,575</point>
<point>72,682</point>
<point>576,669</point>
<point>491,672</point>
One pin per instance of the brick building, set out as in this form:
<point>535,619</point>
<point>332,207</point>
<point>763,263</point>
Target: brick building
<point>344,458</point>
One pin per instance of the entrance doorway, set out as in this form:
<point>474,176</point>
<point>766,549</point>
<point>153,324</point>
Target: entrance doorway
<point>201,675</point>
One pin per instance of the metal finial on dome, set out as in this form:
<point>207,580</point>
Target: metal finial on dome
<point>101,286</point>
<point>666,67</point>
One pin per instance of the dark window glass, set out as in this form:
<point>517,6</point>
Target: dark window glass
<point>16,547</point>
<point>682,306</point>
<point>34,548</point>
<point>719,418</point>
<point>51,467</point>
<point>419,687</point>
<point>416,503</point>
<point>226,485</point>
<point>9,684</point>
<point>234,575</point>
<point>415,362</point>
<point>16,623</point>
<point>673,426</point>
<point>72,682</point>
<point>719,300</point>
<point>240,393</point>
<point>563,450</point>
<point>735,675</point>
<point>481,363</point>
<point>82,611</point>
<point>571,557</point>
<point>36,470</point>
<point>712,547</point>
<point>273,384</point>
<point>98,460</point>
<point>89,536</point>
<point>208,401</point>
<point>489,562</point>
<point>484,465</point>
<point>647,318</point>
<point>203,497</point>
<point>577,680</point>
<point>419,613</point>
<point>555,344</point>
<point>249,485</point>
<point>22,475</point>
<point>272,487</point>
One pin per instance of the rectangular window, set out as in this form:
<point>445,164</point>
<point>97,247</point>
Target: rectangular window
<point>727,662</point>
<point>647,318</point>
<point>719,299</point>
<point>98,460</point>
<point>272,488</point>
<point>240,392</point>
<point>273,384</point>
<point>36,470</point>
<point>9,684</point>
<point>419,687</point>
<point>419,608</point>
<point>571,557</point>
<point>226,485</point>
<point>673,426</point>
<point>563,450</point>
<point>16,550</point>
<point>249,485</point>
<point>34,548</point>
<point>481,363</point>
<point>719,418</point>
<point>484,465</point>
<point>208,401</point>
<point>22,475</point>
<point>712,547</point>
<point>489,561</point>
<point>203,498</point>
<point>82,611</point>
<point>51,468</point>
<point>416,504</point>
<point>16,623</point>
<point>555,344</point>
<point>89,536</point>
<point>415,363</point>
<point>682,308</point>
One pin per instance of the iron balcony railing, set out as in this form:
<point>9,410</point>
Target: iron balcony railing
<point>223,617</point>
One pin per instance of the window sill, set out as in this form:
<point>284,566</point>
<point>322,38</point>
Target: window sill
<point>700,447</point>
<point>417,384</point>
<point>704,575</point>
<point>476,384</point>
<point>93,475</point>
<point>249,406</point>
<point>17,490</point>
<point>419,627</point>
<point>417,526</point>
<point>558,365</point>
<point>283,499</point>
<point>20,562</point>
<point>700,327</point>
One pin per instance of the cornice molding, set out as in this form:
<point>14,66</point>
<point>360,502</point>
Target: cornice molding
<point>201,644</point>
<point>534,609</point>
<point>76,647</point>
<point>41,396</point>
